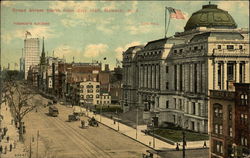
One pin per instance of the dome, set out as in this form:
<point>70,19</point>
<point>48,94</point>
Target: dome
<point>212,17</point>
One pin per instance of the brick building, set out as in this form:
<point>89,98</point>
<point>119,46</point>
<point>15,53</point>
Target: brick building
<point>229,114</point>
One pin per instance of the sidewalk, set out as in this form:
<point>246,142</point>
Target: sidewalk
<point>18,148</point>
<point>141,137</point>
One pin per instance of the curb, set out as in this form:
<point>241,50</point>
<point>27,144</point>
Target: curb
<point>125,135</point>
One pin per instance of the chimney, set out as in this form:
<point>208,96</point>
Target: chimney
<point>106,67</point>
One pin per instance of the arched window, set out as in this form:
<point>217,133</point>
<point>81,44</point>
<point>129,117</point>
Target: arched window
<point>217,109</point>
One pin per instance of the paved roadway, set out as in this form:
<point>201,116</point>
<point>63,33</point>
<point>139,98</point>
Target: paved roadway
<point>59,138</point>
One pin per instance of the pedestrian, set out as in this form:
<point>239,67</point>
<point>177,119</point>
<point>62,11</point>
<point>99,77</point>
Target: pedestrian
<point>5,150</point>
<point>8,139</point>
<point>1,149</point>
<point>14,144</point>
<point>149,143</point>
<point>10,147</point>
<point>177,147</point>
<point>114,122</point>
<point>12,121</point>
<point>205,144</point>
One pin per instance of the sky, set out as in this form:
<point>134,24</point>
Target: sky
<point>92,30</point>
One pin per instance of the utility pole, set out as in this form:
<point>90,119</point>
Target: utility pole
<point>101,114</point>
<point>30,149</point>
<point>154,117</point>
<point>136,121</point>
<point>37,144</point>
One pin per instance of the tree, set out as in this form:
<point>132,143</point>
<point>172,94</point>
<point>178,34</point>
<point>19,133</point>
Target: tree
<point>19,100</point>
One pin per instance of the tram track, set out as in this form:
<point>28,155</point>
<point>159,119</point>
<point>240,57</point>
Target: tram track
<point>77,137</point>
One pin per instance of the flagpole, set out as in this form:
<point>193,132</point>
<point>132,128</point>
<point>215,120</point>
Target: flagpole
<point>168,25</point>
<point>165,20</point>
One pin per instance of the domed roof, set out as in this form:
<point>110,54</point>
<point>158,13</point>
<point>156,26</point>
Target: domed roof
<point>210,16</point>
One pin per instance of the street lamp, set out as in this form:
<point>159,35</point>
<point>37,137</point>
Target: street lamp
<point>152,102</point>
<point>184,140</point>
<point>136,121</point>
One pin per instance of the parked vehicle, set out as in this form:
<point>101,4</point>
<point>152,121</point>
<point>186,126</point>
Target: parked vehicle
<point>73,118</point>
<point>84,124</point>
<point>77,110</point>
<point>53,111</point>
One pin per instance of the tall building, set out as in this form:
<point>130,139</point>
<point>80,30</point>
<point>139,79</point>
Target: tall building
<point>22,65</point>
<point>241,135</point>
<point>31,54</point>
<point>175,74</point>
<point>230,122</point>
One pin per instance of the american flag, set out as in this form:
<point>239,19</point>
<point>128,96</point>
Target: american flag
<point>175,13</point>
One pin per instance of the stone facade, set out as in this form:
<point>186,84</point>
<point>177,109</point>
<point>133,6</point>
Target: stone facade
<point>174,75</point>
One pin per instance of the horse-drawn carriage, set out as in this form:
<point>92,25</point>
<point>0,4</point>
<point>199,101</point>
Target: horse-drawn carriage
<point>93,122</point>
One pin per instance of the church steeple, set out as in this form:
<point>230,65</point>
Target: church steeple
<point>43,60</point>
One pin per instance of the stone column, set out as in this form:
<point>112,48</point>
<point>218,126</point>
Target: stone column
<point>178,77</point>
<point>156,76</point>
<point>191,81</point>
<point>237,71</point>
<point>198,77</point>
<point>145,76</point>
<point>153,77</point>
<point>159,76</point>
<point>246,72</point>
<point>225,75</point>
<point>149,76</point>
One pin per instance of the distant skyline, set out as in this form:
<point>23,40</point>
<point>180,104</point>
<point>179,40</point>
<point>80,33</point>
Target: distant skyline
<point>95,29</point>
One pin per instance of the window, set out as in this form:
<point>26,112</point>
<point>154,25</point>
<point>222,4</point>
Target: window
<point>173,118</point>
<point>201,47</point>
<point>230,71</point>
<point>220,129</point>
<point>193,108</point>
<point>166,69</point>
<point>175,103</point>
<point>240,47</point>
<point>180,104</point>
<point>97,96</point>
<point>175,51</point>
<point>167,85</point>
<point>230,115</point>
<point>216,130</point>
<point>192,125</point>
<point>90,90</point>
<point>218,147</point>
<point>181,50</point>
<point>218,110</point>
<point>219,75</point>
<point>97,101</point>
<point>219,46</point>
<point>243,140</point>
<point>89,86</point>
<point>230,46</point>
<point>97,86</point>
<point>230,131</point>
<point>243,99</point>
<point>167,104</point>
<point>195,48</point>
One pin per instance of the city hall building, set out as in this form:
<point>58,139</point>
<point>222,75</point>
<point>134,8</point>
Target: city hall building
<point>170,78</point>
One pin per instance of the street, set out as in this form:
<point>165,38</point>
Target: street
<point>59,138</point>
